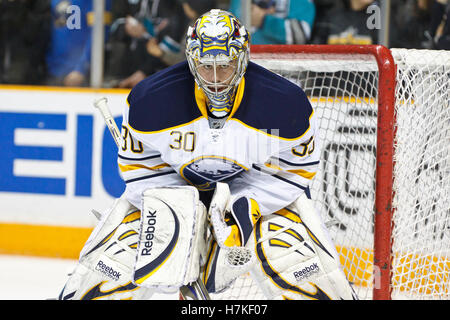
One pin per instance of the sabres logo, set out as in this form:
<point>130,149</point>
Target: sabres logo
<point>205,171</point>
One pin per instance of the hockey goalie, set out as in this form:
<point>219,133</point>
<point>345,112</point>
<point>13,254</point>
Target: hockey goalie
<point>217,154</point>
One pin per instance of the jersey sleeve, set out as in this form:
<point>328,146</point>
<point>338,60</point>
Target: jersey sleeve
<point>284,177</point>
<point>141,166</point>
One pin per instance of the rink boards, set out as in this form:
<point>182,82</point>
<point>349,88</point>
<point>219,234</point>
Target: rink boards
<point>59,163</point>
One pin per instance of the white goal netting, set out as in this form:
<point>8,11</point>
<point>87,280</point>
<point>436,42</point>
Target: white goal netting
<point>344,89</point>
<point>421,233</point>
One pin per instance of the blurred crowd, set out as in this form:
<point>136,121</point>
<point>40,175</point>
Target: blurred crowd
<point>48,42</point>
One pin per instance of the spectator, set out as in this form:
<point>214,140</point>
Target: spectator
<point>439,29</point>
<point>122,58</point>
<point>324,6</point>
<point>69,55</point>
<point>169,50</point>
<point>135,23</point>
<point>322,9</point>
<point>346,25</point>
<point>278,21</point>
<point>24,36</point>
<point>410,20</point>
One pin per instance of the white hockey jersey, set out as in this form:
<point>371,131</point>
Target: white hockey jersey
<point>266,149</point>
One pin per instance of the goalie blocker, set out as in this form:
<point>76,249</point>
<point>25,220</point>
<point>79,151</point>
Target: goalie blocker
<point>129,255</point>
<point>172,238</point>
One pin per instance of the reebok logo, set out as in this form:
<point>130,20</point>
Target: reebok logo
<point>149,233</point>
<point>107,270</point>
<point>306,272</point>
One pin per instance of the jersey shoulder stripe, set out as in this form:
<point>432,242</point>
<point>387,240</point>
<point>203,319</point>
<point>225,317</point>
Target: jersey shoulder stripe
<point>163,100</point>
<point>273,102</point>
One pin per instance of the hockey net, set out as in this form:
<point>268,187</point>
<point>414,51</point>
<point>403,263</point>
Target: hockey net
<point>383,187</point>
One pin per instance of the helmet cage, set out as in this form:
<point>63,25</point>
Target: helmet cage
<point>217,52</point>
<point>218,75</point>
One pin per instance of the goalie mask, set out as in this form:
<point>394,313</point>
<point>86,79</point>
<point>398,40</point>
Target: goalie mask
<point>217,50</point>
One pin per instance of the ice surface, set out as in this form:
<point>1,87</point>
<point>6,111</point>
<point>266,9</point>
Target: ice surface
<point>36,278</point>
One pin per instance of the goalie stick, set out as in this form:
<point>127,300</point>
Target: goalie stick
<point>102,105</point>
<point>195,290</point>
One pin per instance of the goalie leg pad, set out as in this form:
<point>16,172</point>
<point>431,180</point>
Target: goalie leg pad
<point>296,258</point>
<point>104,270</point>
<point>172,238</point>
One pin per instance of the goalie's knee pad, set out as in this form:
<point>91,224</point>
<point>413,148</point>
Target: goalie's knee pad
<point>296,258</point>
<point>232,219</point>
